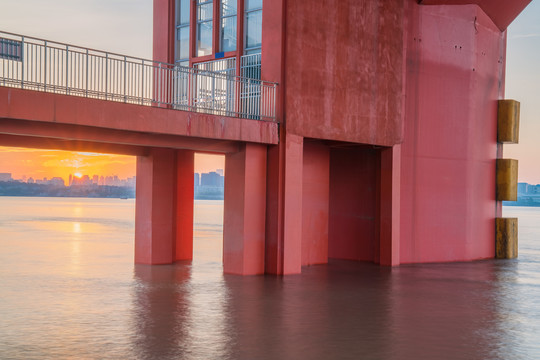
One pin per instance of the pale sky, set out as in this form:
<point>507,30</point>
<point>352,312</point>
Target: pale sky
<point>523,85</point>
<point>125,26</point>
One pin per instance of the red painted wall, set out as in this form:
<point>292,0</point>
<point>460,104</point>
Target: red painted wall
<point>315,206</point>
<point>163,27</point>
<point>344,70</point>
<point>455,57</point>
<point>353,209</point>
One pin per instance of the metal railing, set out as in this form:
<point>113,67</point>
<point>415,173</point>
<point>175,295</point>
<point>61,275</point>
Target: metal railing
<point>42,65</point>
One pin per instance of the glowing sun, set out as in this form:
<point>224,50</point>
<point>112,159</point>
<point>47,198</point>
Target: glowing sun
<point>78,175</point>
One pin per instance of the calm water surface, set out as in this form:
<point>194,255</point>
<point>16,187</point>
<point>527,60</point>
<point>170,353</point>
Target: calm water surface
<point>69,290</point>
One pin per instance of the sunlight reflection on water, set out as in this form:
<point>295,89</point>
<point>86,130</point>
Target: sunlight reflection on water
<point>69,289</point>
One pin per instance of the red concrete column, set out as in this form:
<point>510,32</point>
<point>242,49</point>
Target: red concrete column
<point>284,211</point>
<point>154,220</point>
<point>163,28</point>
<point>244,210</point>
<point>185,166</point>
<point>315,203</point>
<point>389,205</point>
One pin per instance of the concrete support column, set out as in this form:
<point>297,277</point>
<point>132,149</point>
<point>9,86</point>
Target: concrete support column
<point>185,168</point>
<point>315,203</point>
<point>390,205</point>
<point>154,211</point>
<point>284,210</point>
<point>244,210</point>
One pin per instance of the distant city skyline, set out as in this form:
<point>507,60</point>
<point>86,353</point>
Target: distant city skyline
<point>40,164</point>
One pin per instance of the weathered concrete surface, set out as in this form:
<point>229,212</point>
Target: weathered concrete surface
<point>345,70</point>
<point>455,75</point>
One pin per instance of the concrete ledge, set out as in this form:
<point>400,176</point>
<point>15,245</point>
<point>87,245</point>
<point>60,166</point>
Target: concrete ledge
<point>506,245</point>
<point>49,108</point>
<point>507,173</point>
<point>508,122</point>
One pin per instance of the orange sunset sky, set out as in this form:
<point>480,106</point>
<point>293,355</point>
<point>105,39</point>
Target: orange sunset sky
<point>50,163</point>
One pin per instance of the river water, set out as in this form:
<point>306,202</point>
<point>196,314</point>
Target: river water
<point>69,290</point>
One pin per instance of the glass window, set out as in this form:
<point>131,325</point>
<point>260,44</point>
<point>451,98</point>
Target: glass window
<point>228,25</point>
<point>182,43</point>
<point>228,7</point>
<point>182,12</point>
<point>205,10</point>
<point>182,30</point>
<point>253,28</point>
<point>253,4</point>
<point>228,34</point>
<point>204,38</point>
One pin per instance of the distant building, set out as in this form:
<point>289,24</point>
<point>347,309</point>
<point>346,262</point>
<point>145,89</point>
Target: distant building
<point>5,177</point>
<point>57,181</point>
<point>212,179</point>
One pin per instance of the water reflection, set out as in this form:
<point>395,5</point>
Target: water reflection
<point>69,294</point>
<point>180,313</point>
<point>345,310</point>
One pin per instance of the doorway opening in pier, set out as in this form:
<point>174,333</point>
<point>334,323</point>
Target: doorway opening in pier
<point>209,180</point>
<point>340,200</point>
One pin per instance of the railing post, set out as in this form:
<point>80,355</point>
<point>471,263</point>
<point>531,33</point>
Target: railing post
<point>45,67</point>
<point>159,85</point>
<point>125,79</point>
<point>22,62</point>
<point>67,69</point>
<point>213,93</point>
<point>86,72</point>
<point>106,75</point>
<point>142,84</point>
<point>274,104</point>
